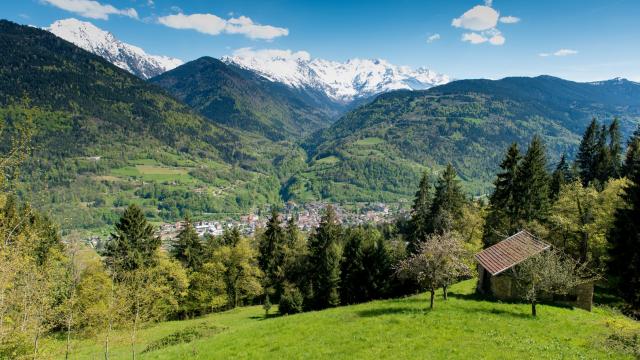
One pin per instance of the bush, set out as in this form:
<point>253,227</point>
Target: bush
<point>290,301</point>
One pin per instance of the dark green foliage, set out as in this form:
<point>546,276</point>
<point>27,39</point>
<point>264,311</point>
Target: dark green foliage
<point>561,175</point>
<point>420,213</point>
<point>188,248</point>
<point>448,201</point>
<point>615,148</point>
<point>183,337</point>
<point>267,304</point>
<point>503,207</point>
<point>624,239</point>
<point>324,263</point>
<point>366,269</point>
<point>133,244</point>
<point>633,153</point>
<point>532,187</point>
<point>291,301</point>
<point>600,152</point>
<point>587,154</point>
<point>271,254</point>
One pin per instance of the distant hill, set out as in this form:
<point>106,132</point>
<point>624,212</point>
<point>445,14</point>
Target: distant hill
<point>103,138</point>
<point>240,98</point>
<point>376,151</point>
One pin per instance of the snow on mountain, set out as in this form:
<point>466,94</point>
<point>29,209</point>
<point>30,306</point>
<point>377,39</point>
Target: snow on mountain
<point>104,44</point>
<point>340,81</point>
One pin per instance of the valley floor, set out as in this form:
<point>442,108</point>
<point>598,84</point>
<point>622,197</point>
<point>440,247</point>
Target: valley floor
<point>463,327</point>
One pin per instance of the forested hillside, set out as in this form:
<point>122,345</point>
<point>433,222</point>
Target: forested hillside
<point>233,96</point>
<point>103,138</point>
<point>377,151</point>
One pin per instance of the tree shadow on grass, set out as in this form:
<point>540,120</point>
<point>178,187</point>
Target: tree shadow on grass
<point>265,317</point>
<point>391,311</point>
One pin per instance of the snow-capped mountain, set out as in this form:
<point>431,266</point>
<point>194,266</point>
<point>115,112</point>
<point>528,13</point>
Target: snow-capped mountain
<point>104,44</point>
<point>341,81</point>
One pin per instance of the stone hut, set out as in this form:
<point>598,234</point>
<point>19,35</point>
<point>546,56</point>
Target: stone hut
<point>494,261</point>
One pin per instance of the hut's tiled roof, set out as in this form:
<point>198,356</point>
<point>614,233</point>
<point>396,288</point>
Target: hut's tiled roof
<point>510,252</point>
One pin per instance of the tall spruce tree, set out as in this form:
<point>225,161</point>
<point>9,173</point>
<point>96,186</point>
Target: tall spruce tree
<point>133,245</point>
<point>420,214</point>
<point>448,202</point>
<point>633,153</point>
<point>561,175</point>
<point>615,149</point>
<point>603,164</point>
<point>324,262</point>
<point>502,216</point>
<point>587,153</point>
<point>533,183</point>
<point>187,247</point>
<point>271,255</point>
<point>353,273</point>
<point>624,241</point>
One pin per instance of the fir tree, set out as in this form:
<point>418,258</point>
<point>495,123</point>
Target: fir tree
<point>133,244</point>
<point>502,217</point>
<point>633,153</point>
<point>447,203</point>
<point>532,187</point>
<point>587,153</point>
<point>603,164</point>
<point>353,273</point>
<point>624,239</point>
<point>271,254</point>
<point>615,149</point>
<point>187,248</point>
<point>561,176</point>
<point>420,213</point>
<point>324,262</point>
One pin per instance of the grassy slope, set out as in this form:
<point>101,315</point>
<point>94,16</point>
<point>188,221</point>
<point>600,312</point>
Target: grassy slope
<point>462,327</point>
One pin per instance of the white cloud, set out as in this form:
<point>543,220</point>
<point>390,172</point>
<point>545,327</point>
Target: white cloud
<point>509,19</point>
<point>213,25</point>
<point>561,52</point>
<point>433,38</point>
<point>474,38</point>
<point>91,9</point>
<point>492,36</point>
<point>271,54</point>
<point>479,18</point>
<point>497,40</point>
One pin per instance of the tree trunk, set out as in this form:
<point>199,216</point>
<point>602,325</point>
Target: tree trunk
<point>444,292</point>
<point>133,333</point>
<point>433,295</point>
<point>533,308</point>
<point>69,320</point>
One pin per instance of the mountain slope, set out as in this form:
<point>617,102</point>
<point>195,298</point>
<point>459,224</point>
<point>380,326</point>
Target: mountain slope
<point>377,151</point>
<point>104,137</point>
<point>104,44</point>
<point>242,99</point>
<point>343,82</point>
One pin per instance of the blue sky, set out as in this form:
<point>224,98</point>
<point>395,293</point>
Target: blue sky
<point>580,40</point>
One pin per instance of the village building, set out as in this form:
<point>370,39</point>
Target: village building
<point>496,261</point>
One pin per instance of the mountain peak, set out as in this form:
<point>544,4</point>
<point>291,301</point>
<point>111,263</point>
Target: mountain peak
<point>343,82</point>
<point>103,43</point>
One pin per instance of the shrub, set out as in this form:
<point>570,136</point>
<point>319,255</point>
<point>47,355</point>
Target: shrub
<point>290,301</point>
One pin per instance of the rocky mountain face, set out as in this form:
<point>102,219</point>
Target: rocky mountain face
<point>102,43</point>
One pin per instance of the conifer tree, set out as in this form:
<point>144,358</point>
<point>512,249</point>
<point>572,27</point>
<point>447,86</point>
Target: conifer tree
<point>133,244</point>
<point>353,273</point>
<point>271,254</point>
<point>624,239</point>
<point>633,153</point>
<point>603,165</point>
<point>561,176</point>
<point>615,149</point>
<point>502,217</point>
<point>447,203</point>
<point>324,262</point>
<point>187,248</point>
<point>533,183</point>
<point>420,213</point>
<point>587,153</point>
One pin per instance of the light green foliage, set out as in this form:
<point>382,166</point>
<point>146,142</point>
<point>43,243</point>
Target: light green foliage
<point>237,263</point>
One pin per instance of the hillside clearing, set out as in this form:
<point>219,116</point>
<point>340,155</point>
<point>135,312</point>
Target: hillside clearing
<point>462,327</point>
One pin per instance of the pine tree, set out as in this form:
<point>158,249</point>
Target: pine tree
<point>187,248</point>
<point>533,183</point>
<point>633,153</point>
<point>615,149</point>
<point>133,244</point>
<point>624,239</point>
<point>587,153</point>
<point>353,273</point>
<point>603,165</point>
<point>561,176</point>
<point>447,203</point>
<point>271,254</point>
<point>420,213</point>
<point>502,216</point>
<point>324,262</point>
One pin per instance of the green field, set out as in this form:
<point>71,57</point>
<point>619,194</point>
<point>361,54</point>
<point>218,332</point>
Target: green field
<point>463,327</point>
<point>369,141</point>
